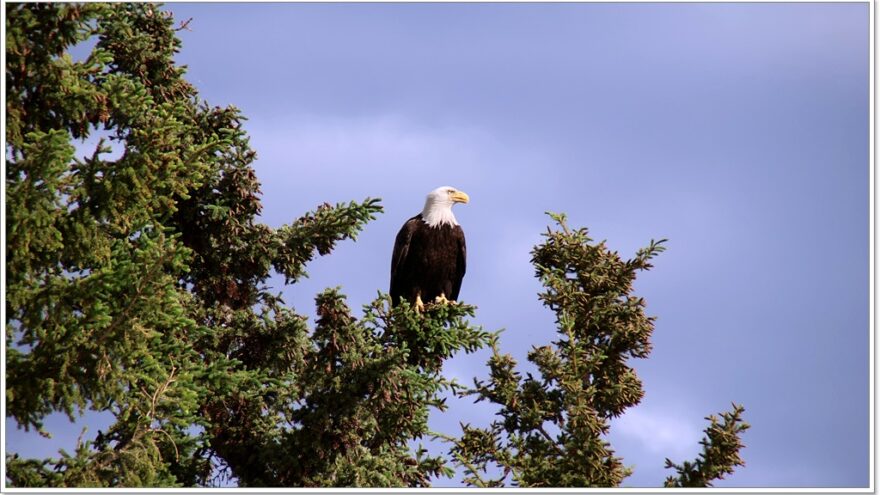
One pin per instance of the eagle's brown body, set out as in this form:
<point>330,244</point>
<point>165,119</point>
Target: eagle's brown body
<point>427,262</point>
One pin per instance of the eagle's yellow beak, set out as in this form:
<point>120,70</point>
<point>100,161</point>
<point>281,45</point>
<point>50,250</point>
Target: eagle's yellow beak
<point>459,197</point>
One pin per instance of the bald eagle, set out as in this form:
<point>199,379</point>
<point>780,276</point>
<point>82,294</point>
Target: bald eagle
<point>428,261</point>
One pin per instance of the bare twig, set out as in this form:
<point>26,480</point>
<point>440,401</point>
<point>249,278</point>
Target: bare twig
<point>184,25</point>
<point>173,444</point>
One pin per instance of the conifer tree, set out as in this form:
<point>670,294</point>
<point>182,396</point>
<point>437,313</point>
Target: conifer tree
<point>550,428</point>
<point>136,285</point>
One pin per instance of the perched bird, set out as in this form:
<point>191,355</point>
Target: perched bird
<point>428,261</point>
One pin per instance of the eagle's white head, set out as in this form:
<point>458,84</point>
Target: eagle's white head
<point>438,205</point>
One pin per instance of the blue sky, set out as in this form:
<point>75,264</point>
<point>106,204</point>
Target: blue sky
<point>737,131</point>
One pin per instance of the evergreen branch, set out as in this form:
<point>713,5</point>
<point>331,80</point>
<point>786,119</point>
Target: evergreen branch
<point>318,232</point>
<point>720,454</point>
<point>481,483</point>
<point>553,442</point>
<point>144,281</point>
